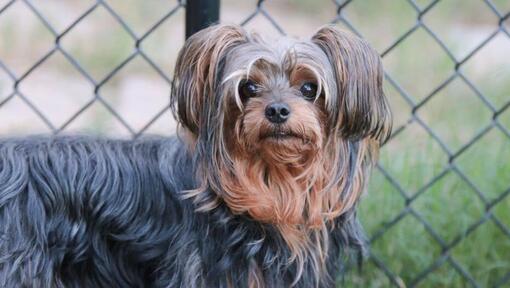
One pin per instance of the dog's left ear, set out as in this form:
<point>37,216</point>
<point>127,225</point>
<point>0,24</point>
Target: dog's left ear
<point>197,73</point>
<point>360,108</point>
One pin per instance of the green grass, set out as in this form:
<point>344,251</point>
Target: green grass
<point>451,205</point>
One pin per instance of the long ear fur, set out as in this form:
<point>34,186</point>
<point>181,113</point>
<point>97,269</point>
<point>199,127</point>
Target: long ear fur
<point>197,71</point>
<point>360,110</point>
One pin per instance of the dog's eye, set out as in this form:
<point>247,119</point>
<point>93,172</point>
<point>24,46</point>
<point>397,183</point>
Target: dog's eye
<point>248,89</point>
<point>309,91</point>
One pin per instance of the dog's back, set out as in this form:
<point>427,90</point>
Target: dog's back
<point>78,211</point>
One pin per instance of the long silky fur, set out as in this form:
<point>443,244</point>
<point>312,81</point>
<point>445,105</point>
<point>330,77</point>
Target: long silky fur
<point>214,207</point>
<point>85,212</point>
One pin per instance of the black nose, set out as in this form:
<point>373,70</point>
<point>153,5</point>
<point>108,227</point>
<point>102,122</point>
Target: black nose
<point>277,112</point>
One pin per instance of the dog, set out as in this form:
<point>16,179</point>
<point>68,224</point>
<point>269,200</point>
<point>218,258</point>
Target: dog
<point>259,188</point>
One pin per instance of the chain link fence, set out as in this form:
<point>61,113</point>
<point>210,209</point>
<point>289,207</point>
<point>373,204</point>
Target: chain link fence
<point>447,125</point>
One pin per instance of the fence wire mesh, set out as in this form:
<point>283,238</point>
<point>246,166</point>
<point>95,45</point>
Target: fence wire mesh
<point>427,95</point>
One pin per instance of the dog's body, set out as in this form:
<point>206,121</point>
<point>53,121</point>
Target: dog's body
<point>261,192</point>
<point>82,212</point>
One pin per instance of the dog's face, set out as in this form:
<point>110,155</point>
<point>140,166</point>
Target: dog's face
<point>282,130</point>
<point>277,93</point>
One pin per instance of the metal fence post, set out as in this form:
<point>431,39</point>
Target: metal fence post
<point>200,14</point>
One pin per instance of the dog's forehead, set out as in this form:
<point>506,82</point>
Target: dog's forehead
<point>274,50</point>
<point>281,46</point>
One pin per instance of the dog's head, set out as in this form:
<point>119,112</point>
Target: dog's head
<point>283,130</point>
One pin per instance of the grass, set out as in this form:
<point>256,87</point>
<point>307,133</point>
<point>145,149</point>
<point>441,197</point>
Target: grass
<point>450,207</point>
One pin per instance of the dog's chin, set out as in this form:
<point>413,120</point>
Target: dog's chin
<point>286,140</point>
<point>284,147</point>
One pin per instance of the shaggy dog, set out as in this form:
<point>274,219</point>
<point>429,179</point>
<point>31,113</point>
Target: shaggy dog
<point>259,190</point>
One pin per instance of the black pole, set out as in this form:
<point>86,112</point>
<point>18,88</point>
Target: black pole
<point>200,14</point>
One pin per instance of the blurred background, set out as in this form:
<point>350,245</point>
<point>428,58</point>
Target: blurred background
<point>437,211</point>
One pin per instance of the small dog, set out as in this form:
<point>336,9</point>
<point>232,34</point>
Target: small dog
<point>259,190</point>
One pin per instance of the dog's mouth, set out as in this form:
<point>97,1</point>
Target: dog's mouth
<point>277,135</point>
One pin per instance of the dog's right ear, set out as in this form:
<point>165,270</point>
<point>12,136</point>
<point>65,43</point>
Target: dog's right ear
<point>198,72</point>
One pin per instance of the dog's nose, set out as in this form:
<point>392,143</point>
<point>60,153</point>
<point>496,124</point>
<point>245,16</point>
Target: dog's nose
<point>277,112</point>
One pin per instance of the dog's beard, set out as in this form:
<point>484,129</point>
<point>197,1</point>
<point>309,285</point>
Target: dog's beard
<point>281,174</point>
<point>277,168</point>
